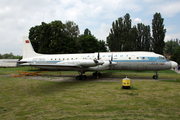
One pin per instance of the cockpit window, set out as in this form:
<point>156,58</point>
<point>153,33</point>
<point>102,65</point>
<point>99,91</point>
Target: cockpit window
<point>161,58</point>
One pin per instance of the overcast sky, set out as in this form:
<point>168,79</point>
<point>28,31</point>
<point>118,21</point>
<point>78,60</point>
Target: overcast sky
<point>18,16</point>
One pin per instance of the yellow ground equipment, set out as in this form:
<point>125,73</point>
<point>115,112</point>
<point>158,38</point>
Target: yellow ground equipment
<point>126,82</point>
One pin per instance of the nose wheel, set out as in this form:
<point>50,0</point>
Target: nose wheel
<point>155,76</point>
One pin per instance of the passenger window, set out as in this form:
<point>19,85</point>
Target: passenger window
<point>137,57</point>
<point>129,57</point>
<point>71,58</point>
<point>67,58</point>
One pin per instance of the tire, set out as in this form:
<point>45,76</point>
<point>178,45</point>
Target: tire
<point>155,77</point>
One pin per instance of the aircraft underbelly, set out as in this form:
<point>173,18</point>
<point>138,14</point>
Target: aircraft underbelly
<point>137,66</point>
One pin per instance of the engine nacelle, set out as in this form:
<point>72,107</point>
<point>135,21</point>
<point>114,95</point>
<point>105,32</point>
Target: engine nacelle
<point>105,66</point>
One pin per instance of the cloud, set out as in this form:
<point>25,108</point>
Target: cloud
<point>18,16</point>
<point>171,36</point>
<point>166,8</point>
<point>102,32</point>
<point>135,21</point>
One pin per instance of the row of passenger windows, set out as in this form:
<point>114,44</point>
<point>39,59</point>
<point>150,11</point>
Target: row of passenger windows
<point>64,59</point>
<point>69,58</point>
<point>161,58</point>
<point>77,58</point>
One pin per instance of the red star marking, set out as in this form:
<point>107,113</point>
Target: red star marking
<point>27,41</point>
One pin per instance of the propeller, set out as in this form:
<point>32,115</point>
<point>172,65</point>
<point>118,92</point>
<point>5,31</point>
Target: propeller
<point>110,63</point>
<point>96,60</point>
<point>98,65</point>
<point>98,55</point>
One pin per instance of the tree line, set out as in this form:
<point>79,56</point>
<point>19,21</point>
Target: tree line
<point>172,47</point>
<point>10,56</point>
<point>59,38</point>
<point>123,37</point>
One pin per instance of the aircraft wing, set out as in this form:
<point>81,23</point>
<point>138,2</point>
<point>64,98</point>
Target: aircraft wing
<point>70,63</point>
<point>50,65</point>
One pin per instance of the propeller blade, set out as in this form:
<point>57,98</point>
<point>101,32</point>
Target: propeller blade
<point>111,57</point>
<point>111,63</point>
<point>98,55</point>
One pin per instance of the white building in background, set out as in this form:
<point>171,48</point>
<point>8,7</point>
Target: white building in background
<point>9,62</point>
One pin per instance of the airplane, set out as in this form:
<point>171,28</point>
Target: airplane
<point>99,61</point>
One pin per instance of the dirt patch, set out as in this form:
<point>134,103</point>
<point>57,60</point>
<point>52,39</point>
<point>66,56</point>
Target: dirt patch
<point>89,78</point>
<point>72,78</point>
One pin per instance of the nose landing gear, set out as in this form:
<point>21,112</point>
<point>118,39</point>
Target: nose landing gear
<point>155,76</point>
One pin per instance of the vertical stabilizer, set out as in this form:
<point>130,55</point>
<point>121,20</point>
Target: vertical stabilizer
<point>28,50</point>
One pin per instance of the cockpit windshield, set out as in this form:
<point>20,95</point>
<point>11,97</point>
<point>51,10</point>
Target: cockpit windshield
<point>162,58</point>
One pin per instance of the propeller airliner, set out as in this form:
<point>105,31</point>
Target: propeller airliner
<point>100,61</point>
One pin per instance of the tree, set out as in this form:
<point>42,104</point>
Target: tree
<point>87,32</point>
<point>72,29</point>
<point>171,46</point>
<point>8,56</point>
<point>158,33</point>
<point>144,37</point>
<point>55,37</point>
<point>88,44</point>
<point>176,55</point>
<point>126,38</point>
<point>102,46</point>
<point>134,36</point>
<point>115,40</point>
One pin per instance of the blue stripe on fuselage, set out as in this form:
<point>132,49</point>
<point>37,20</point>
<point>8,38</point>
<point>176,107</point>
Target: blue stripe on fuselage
<point>146,59</point>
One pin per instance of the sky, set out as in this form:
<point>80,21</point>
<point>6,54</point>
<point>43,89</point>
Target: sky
<point>18,16</point>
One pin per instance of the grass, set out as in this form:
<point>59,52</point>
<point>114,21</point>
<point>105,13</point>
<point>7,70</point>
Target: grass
<point>24,98</point>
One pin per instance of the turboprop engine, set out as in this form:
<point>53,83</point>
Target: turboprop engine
<point>106,66</point>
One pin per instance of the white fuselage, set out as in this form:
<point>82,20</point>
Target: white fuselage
<point>89,61</point>
<point>125,61</point>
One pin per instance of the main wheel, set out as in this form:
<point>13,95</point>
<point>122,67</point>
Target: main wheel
<point>95,74</point>
<point>85,77</point>
<point>77,77</point>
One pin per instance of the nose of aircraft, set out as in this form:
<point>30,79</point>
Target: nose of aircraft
<point>173,64</point>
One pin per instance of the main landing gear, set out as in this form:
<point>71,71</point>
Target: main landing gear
<point>81,76</point>
<point>155,76</point>
<point>96,73</point>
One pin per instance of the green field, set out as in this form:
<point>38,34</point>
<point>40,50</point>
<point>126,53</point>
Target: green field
<point>27,98</point>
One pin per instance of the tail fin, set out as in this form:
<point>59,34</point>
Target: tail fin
<point>28,50</point>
